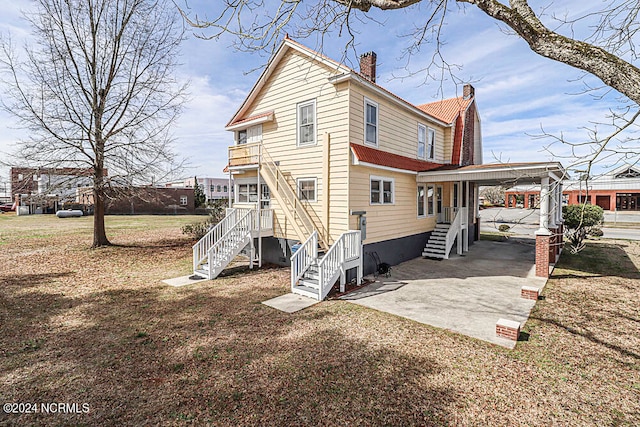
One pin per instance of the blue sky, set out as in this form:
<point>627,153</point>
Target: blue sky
<point>517,91</point>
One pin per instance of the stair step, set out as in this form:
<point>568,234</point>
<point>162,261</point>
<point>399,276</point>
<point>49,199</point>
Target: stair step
<point>432,255</point>
<point>309,283</point>
<point>306,292</point>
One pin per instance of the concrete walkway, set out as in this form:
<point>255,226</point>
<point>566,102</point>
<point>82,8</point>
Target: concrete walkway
<point>465,294</point>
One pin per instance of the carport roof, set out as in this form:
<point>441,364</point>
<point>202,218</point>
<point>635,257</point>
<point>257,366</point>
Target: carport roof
<point>496,173</point>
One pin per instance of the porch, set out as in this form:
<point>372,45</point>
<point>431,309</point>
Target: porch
<point>549,175</point>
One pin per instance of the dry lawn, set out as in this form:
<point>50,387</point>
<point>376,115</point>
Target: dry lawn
<point>98,327</point>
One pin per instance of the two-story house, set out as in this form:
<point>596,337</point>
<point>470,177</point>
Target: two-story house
<point>349,174</point>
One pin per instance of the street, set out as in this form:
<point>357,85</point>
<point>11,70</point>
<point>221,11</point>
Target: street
<point>526,222</point>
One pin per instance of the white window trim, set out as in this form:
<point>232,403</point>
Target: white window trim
<point>315,123</point>
<point>393,190</point>
<point>184,200</point>
<point>424,203</point>
<point>364,120</point>
<point>433,200</point>
<point>315,193</point>
<point>426,140</point>
<point>427,151</point>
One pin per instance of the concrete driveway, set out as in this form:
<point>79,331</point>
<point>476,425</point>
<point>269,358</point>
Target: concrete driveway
<point>465,294</point>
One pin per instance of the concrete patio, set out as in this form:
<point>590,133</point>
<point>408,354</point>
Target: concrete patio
<point>466,294</point>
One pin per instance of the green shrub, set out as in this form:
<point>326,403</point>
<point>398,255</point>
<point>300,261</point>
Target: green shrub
<point>198,230</point>
<point>596,232</point>
<point>504,228</point>
<point>579,220</point>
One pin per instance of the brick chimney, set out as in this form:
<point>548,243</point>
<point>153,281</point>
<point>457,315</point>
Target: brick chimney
<point>368,65</point>
<point>468,91</point>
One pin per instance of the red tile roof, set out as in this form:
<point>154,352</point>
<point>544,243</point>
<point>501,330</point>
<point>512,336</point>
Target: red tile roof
<point>446,110</point>
<point>382,158</point>
<point>248,119</point>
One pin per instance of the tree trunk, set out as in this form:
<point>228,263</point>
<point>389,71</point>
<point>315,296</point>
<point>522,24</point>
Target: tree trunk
<point>99,231</point>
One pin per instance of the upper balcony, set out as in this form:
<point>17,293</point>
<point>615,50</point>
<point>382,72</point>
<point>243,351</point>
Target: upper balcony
<point>245,156</point>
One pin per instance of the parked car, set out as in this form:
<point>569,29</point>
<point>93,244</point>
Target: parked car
<point>7,207</point>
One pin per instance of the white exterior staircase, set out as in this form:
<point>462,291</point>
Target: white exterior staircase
<point>227,239</point>
<point>314,273</point>
<point>444,235</point>
<point>437,245</point>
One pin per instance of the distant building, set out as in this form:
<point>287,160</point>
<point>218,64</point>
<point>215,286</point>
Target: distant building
<point>618,190</point>
<point>44,190</point>
<point>213,188</point>
<point>143,200</point>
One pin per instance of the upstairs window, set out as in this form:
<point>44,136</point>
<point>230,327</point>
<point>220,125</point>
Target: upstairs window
<point>242,136</point>
<point>184,200</point>
<point>307,123</point>
<point>370,122</point>
<point>431,143</point>
<point>422,141</point>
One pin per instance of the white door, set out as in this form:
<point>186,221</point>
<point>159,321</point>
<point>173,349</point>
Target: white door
<point>254,134</point>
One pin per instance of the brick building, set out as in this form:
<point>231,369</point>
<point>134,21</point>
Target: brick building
<point>618,190</point>
<point>143,200</point>
<point>213,188</point>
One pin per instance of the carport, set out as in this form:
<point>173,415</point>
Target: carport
<point>548,175</point>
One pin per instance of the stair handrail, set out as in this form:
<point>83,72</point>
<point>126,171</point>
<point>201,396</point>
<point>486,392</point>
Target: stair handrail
<point>348,247</point>
<point>454,228</point>
<point>303,257</point>
<point>285,190</point>
<point>230,239</point>
<point>201,248</point>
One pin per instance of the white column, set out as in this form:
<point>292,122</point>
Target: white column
<point>544,207</point>
<point>559,213</point>
<point>553,202</point>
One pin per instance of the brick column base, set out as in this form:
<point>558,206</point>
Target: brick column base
<point>543,243</point>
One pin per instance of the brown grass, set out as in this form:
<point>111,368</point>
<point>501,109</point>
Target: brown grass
<point>98,327</point>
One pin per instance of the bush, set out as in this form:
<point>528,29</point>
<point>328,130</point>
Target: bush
<point>579,220</point>
<point>596,232</point>
<point>504,228</point>
<point>198,230</point>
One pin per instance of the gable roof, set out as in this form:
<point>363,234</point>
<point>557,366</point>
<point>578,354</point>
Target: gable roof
<point>432,111</point>
<point>377,157</point>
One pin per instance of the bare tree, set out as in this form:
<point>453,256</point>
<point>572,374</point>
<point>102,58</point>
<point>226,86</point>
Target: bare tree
<point>97,90</point>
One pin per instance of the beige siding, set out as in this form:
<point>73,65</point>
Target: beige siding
<point>297,79</point>
<point>397,127</point>
<point>386,222</point>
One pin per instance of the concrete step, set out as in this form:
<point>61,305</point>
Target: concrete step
<point>436,244</point>
<point>202,273</point>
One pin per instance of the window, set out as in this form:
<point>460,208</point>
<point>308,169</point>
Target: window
<point>421,199</point>
<point>381,191</point>
<point>212,188</point>
<point>184,200</point>
<point>431,142</point>
<point>247,193</point>
<point>20,176</point>
<point>422,141</point>
<point>430,196</point>
<point>242,136</point>
<point>307,189</point>
<point>218,188</point>
<point>370,122</point>
<point>307,123</point>
<point>225,189</point>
